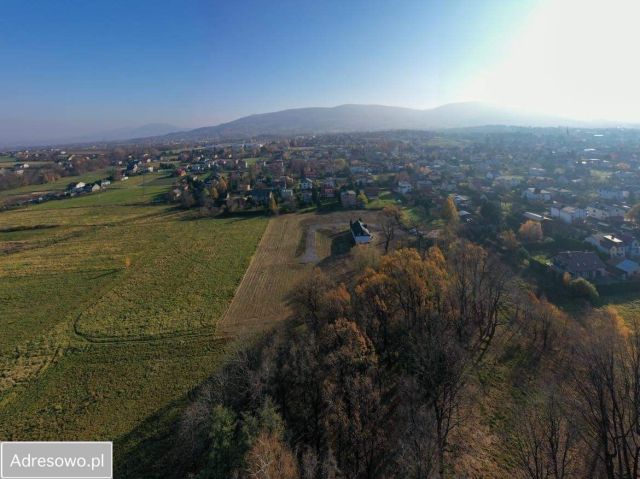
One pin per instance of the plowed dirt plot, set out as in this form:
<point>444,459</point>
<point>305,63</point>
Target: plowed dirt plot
<point>263,297</point>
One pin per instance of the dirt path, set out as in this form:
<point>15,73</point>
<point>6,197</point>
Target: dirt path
<point>311,252</point>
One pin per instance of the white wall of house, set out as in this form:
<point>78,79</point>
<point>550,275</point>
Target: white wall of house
<point>361,239</point>
<point>597,213</point>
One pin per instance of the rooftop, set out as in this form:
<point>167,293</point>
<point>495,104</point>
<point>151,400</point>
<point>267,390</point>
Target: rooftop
<point>358,228</point>
<point>579,261</point>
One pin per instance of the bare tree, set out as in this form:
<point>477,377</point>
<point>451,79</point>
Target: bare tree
<point>391,216</point>
<point>544,444</point>
<point>607,386</point>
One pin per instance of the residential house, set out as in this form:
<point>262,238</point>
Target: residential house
<point>261,196</point>
<point>568,214</point>
<point>631,245</point>
<point>286,193</point>
<point>372,192</point>
<point>275,167</point>
<point>617,212</point>
<point>358,170</point>
<point>76,187</point>
<point>507,181</point>
<point>243,186</point>
<point>605,212</point>
<point>597,212</point>
<point>534,171</point>
<point>348,199</point>
<point>360,232</point>
<point>306,196</point>
<point>613,194</point>
<point>533,216</point>
<point>625,268</point>
<point>327,190</point>
<point>306,184</point>
<point>608,244</point>
<point>404,187</point>
<point>584,264</point>
<point>536,194</point>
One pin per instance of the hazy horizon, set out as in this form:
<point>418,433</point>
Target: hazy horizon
<point>78,68</point>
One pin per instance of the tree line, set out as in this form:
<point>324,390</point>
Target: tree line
<point>379,377</point>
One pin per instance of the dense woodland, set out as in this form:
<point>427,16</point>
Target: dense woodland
<point>390,376</point>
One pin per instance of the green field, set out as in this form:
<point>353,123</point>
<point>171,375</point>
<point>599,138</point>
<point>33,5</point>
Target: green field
<point>386,198</point>
<point>109,310</point>
<point>627,304</point>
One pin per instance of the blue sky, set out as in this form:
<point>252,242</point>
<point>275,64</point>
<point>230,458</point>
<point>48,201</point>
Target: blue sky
<point>76,67</point>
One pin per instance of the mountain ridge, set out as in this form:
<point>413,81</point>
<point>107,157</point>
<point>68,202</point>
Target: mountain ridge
<point>345,118</point>
<point>348,118</point>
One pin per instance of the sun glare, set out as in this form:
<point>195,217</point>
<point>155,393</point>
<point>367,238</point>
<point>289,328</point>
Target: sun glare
<point>574,58</point>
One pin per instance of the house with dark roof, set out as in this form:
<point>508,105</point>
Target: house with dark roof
<point>348,199</point>
<point>624,268</point>
<point>261,196</point>
<point>631,244</point>
<point>360,232</point>
<point>608,244</point>
<point>584,264</point>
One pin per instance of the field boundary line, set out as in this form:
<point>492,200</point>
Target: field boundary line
<point>265,235</point>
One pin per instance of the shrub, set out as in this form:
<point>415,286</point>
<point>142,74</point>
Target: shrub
<point>581,288</point>
<point>531,232</point>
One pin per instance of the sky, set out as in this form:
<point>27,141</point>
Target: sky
<point>76,67</point>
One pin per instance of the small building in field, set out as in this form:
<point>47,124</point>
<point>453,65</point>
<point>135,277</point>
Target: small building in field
<point>360,232</point>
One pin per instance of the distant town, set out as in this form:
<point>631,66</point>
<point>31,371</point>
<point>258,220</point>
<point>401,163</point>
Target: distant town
<point>565,197</point>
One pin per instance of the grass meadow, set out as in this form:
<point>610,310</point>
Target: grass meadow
<point>627,304</point>
<point>110,304</point>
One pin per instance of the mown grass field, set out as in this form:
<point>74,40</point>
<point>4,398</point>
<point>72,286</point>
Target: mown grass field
<point>262,298</point>
<point>110,310</point>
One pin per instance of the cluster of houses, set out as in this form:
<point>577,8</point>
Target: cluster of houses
<point>80,187</point>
